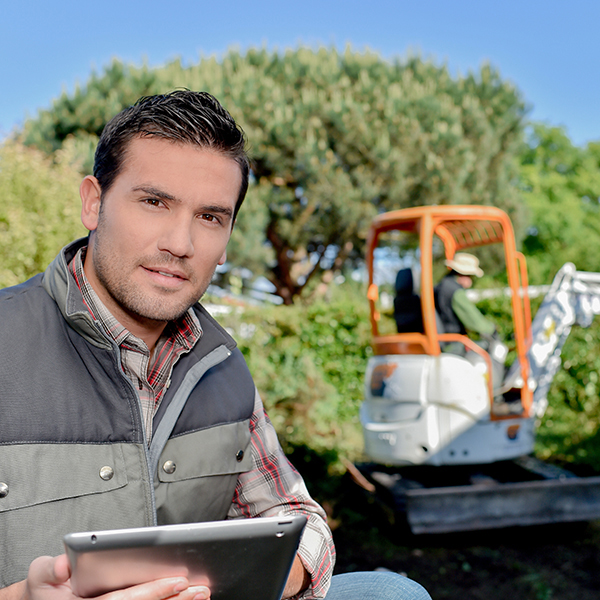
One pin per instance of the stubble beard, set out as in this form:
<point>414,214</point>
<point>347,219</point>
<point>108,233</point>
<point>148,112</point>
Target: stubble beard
<point>113,274</point>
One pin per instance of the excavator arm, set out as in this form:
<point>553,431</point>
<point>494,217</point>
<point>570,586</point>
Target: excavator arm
<point>573,298</point>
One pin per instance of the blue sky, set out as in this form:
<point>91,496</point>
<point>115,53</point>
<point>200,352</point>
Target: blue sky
<point>550,49</point>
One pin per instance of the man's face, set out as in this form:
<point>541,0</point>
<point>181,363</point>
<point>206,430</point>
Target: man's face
<point>160,230</point>
<point>466,281</point>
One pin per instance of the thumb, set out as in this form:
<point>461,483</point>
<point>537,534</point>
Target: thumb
<point>49,570</point>
<point>62,569</point>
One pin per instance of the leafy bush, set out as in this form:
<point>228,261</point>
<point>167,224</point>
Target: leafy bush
<point>308,362</point>
<point>39,210</point>
<point>570,429</point>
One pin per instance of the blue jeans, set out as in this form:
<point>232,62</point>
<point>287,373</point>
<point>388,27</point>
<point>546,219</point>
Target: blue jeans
<point>375,585</point>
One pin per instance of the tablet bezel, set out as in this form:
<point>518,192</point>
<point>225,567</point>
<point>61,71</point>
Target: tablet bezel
<point>238,559</point>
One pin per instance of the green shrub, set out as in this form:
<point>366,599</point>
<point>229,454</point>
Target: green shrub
<point>39,210</point>
<point>569,431</point>
<point>308,362</point>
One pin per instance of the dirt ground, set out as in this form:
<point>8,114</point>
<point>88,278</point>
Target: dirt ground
<point>550,562</point>
<point>555,562</point>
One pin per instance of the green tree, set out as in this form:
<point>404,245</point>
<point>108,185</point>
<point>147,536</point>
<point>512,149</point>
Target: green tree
<point>561,188</point>
<point>84,113</point>
<point>39,211</point>
<point>335,138</point>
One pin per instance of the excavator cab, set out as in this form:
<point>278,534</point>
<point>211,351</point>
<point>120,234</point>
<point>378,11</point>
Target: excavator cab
<point>433,397</point>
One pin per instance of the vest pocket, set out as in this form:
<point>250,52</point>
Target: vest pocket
<point>33,474</point>
<point>197,473</point>
<point>54,489</point>
<point>220,450</point>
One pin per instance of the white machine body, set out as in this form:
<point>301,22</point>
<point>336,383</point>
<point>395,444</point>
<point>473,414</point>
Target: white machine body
<point>435,410</point>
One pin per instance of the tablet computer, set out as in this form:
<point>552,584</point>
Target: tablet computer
<point>239,559</point>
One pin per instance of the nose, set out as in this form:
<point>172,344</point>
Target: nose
<point>176,238</point>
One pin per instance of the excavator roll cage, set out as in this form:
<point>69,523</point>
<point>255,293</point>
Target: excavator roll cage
<point>459,228</point>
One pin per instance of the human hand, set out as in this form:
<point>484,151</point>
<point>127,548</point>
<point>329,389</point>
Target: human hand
<point>298,579</point>
<point>48,579</point>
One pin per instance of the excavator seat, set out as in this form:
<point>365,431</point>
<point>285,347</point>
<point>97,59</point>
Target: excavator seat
<point>407,304</point>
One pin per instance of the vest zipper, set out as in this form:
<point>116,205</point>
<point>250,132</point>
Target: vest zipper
<point>117,354</point>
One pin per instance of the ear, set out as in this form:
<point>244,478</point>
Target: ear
<point>223,258</point>
<point>90,193</point>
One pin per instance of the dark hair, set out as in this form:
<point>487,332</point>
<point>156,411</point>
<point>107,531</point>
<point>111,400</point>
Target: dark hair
<point>181,116</point>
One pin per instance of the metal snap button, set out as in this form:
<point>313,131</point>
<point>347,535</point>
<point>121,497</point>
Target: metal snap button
<point>169,467</point>
<point>239,456</point>
<point>106,473</point>
<point>3,490</point>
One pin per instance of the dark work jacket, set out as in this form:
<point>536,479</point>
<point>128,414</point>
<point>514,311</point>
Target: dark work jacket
<point>73,453</point>
<point>443,293</point>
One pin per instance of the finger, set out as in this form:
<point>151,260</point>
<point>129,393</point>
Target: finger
<point>159,589</point>
<point>196,592</point>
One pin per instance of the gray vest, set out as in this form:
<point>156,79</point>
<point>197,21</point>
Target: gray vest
<point>72,451</point>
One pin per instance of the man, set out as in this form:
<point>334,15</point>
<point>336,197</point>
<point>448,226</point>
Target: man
<point>457,313</point>
<point>123,402</point>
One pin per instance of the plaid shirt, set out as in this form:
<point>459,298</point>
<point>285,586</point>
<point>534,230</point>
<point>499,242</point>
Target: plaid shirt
<point>272,487</point>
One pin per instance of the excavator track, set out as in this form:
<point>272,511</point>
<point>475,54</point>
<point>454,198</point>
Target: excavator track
<point>522,492</point>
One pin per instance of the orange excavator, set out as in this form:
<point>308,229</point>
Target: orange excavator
<point>449,434</point>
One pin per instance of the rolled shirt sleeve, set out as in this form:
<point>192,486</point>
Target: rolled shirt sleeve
<point>273,487</point>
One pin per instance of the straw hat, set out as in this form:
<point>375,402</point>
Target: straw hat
<point>465,264</point>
